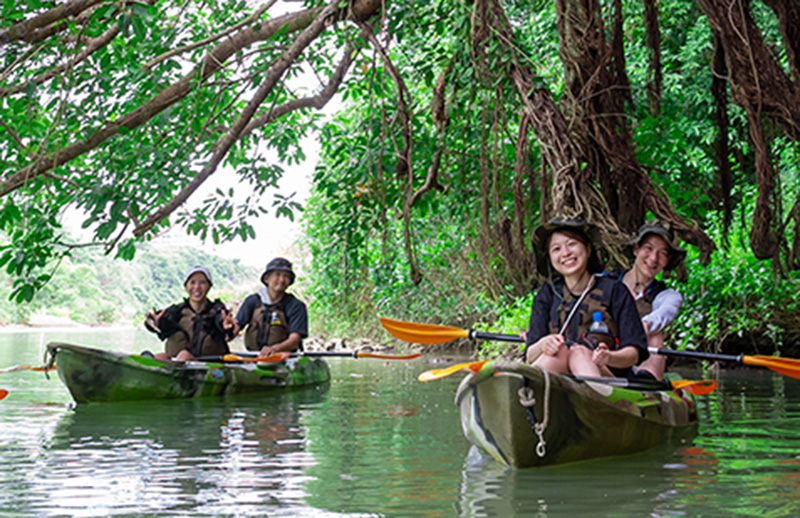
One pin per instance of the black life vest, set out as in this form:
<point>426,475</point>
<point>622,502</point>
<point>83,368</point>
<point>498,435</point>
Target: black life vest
<point>644,304</point>
<point>197,331</point>
<point>598,299</point>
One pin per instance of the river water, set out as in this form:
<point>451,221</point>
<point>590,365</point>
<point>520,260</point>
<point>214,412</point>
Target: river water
<point>375,442</point>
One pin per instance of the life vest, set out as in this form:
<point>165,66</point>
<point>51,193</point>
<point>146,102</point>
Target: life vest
<point>197,332</point>
<point>598,299</point>
<point>268,326</point>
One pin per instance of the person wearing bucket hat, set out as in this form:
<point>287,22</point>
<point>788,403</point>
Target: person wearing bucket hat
<point>194,327</point>
<point>575,296</point>
<point>654,251</point>
<point>274,321</point>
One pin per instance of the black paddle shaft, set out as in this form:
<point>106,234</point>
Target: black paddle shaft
<point>695,354</point>
<point>494,336</point>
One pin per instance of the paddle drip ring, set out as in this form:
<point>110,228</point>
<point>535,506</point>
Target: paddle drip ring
<point>527,399</point>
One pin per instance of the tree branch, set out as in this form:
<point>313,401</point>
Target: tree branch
<point>93,45</point>
<point>316,101</point>
<point>404,157</point>
<point>24,30</point>
<point>213,61</point>
<point>13,135</point>
<point>311,32</point>
<point>432,180</point>
<point>186,48</point>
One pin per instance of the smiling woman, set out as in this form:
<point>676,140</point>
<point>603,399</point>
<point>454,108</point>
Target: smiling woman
<point>563,308</point>
<point>195,327</point>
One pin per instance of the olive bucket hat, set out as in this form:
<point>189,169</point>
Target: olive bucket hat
<point>543,232</point>
<point>663,230</point>
<point>279,263</point>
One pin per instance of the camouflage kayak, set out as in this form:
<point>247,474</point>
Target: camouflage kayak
<point>523,416</point>
<point>94,375</point>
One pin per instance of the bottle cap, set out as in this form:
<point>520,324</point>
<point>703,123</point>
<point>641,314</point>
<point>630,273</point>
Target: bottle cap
<point>597,316</point>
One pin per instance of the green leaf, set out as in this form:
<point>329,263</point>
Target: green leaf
<point>139,28</point>
<point>140,9</point>
<point>30,88</point>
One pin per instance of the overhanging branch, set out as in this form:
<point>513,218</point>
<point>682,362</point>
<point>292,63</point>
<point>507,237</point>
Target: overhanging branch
<point>224,144</point>
<point>26,29</point>
<point>316,101</point>
<point>213,61</point>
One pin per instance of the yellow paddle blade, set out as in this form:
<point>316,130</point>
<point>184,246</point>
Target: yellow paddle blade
<point>786,366</point>
<point>696,387</point>
<point>272,358</point>
<point>436,374</point>
<point>427,334</point>
<point>364,354</point>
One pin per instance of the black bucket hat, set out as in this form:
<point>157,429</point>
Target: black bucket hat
<point>545,230</point>
<point>663,230</point>
<point>279,263</point>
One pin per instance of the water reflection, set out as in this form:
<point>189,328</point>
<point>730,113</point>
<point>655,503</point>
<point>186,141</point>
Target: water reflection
<point>638,485</point>
<point>376,443</point>
<point>176,456</point>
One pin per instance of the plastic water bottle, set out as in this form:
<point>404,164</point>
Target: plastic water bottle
<point>598,332</point>
<point>275,320</point>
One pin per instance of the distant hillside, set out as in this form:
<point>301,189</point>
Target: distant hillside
<point>93,288</point>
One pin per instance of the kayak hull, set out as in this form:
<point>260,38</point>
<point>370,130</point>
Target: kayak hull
<point>95,375</point>
<point>578,420</point>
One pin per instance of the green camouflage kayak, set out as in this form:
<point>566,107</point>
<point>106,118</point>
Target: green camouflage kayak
<point>523,416</point>
<point>94,375</point>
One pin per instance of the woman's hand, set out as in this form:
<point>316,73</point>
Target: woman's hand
<point>601,355</point>
<point>230,324</point>
<point>151,319</point>
<point>550,344</point>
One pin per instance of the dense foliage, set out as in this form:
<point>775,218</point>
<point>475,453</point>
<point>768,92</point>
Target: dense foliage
<point>464,125</point>
<point>469,275</point>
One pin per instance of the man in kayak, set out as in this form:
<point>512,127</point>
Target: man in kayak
<point>194,327</point>
<point>654,250</point>
<point>276,321</point>
<point>563,308</point>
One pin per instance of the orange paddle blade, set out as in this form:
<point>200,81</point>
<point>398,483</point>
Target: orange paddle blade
<point>363,354</point>
<point>786,366</point>
<point>26,367</point>
<point>3,393</point>
<point>436,374</point>
<point>272,358</point>
<point>428,334</point>
<point>16,368</point>
<point>696,387</point>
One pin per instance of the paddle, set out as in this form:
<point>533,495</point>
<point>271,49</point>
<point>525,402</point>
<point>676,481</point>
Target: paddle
<point>786,366</point>
<point>16,368</point>
<point>230,358</point>
<point>3,393</point>
<point>433,334</point>
<point>430,334</point>
<point>284,355</point>
<point>695,387</point>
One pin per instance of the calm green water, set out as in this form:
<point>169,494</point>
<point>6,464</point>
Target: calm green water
<point>374,443</point>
